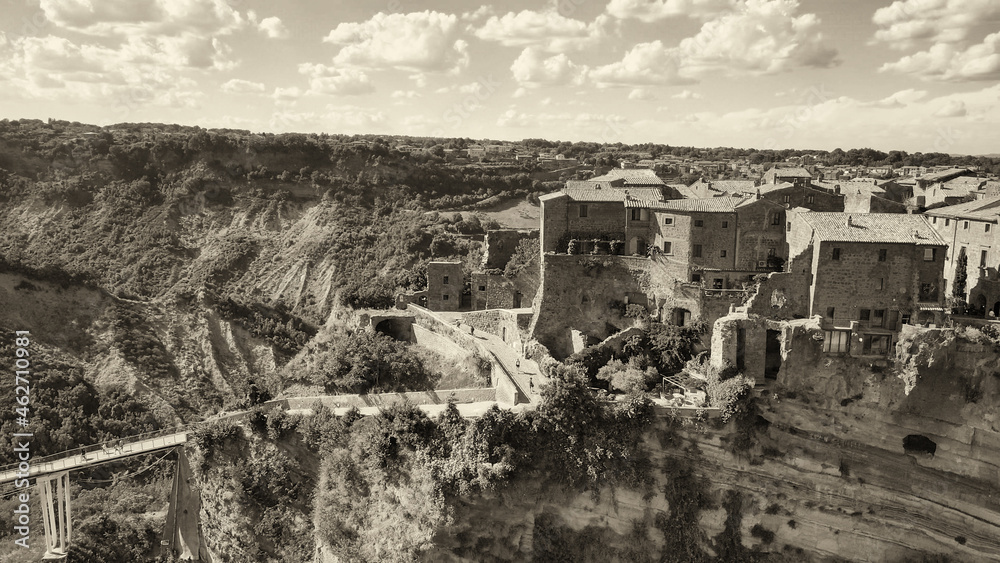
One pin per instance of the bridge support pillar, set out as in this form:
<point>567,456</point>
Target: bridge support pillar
<point>182,536</point>
<point>55,514</point>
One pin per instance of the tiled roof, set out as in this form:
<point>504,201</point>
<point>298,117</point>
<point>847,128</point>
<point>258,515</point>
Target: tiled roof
<point>685,191</point>
<point>790,173</point>
<point>986,209</point>
<point>729,187</point>
<point>702,205</point>
<point>942,175</point>
<point>591,190</point>
<point>849,186</point>
<point>768,188</point>
<point>632,177</point>
<point>890,228</point>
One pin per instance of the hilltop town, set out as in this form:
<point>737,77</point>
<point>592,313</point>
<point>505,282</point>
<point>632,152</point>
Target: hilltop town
<point>864,252</point>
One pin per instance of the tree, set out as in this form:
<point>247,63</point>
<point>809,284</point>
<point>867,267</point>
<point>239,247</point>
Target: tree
<point>961,274</point>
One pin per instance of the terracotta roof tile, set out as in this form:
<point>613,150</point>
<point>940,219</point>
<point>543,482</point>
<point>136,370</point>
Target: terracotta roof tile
<point>890,228</point>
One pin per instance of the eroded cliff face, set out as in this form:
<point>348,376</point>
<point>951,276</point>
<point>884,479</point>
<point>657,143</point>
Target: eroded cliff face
<point>851,459</point>
<point>201,360</point>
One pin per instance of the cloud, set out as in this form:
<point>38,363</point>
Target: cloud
<point>240,86</point>
<point>687,95</point>
<point>273,28</point>
<point>419,41</point>
<point>651,11</point>
<point>533,68</point>
<point>408,94</point>
<point>645,64</point>
<point>287,95</point>
<point>954,108</point>
<point>514,118</point>
<point>907,23</point>
<point>899,99</point>
<point>548,30</point>
<point>330,80</point>
<point>143,17</point>
<point>947,62</point>
<point>764,37</point>
<point>641,94</point>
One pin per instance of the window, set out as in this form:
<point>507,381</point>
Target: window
<point>668,220</point>
<point>583,211</point>
<point>947,222</point>
<point>722,254</point>
<point>982,259</point>
<point>697,251</point>
<point>770,252</point>
<point>482,288</point>
<point>930,254</point>
<point>905,318</point>
<point>725,225</point>
<point>966,225</point>
<point>776,220</point>
<point>878,318</point>
<point>836,341</point>
<point>789,227</point>
<point>934,220</point>
<point>928,292</point>
<point>718,283</point>
<point>636,214</point>
<point>830,311</point>
<point>875,344</point>
<point>696,278</point>
<point>881,284</point>
<point>865,315</point>
<point>882,254</point>
<point>444,297</point>
<point>699,223</point>
<point>811,199</point>
<point>668,247</point>
<point>446,280</point>
<point>987,227</point>
<point>787,198</point>
<point>836,254</point>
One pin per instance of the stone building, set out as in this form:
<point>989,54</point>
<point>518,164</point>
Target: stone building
<point>796,176</point>
<point>867,275</point>
<point>445,283</point>
<point>972,229</point>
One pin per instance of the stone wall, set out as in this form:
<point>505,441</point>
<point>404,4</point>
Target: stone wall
<point>500,245</point>
<point>510,326</point>
<point>758,235</point>
<point>783,295</point>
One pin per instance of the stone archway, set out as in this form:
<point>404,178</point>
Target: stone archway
<point>637,245</point>
<point>996,310</point>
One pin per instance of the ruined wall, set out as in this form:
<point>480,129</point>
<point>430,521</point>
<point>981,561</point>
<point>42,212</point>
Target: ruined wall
<point>554,222</point>
<point>783,295</point>
<point>510,326</point>
<point>500,245</point>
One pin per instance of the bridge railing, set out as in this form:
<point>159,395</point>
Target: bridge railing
<point>108,445</point>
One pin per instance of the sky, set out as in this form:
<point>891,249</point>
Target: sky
<point>913,75</point>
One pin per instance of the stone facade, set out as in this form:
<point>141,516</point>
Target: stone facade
<point>973,228</point>
<point>445,282</point>
<point>500,245</point>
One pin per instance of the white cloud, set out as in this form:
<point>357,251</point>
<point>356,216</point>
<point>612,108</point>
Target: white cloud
<point>240,86</point>
<point>325,79</point>
<point>533,68</point>
<point>549,30</point>
<point>641,94</point>
<point>906,23</point>
<point>287,95</point>
<point>651,11</point>
<point>143,17</point>
<point>273,28</point>
<point>900,99</point>
<point>687,95</point>
<point>408,94</point>
<point>645,64</point>
<point>764,37</point>
<point>944,61</point>
<point>954,108</point>
<point>419,41</point>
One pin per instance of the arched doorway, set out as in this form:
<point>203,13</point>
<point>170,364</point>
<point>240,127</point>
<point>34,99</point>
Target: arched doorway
<point>637,245</point>
<point>996,310</point>
<point>981,305</point>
